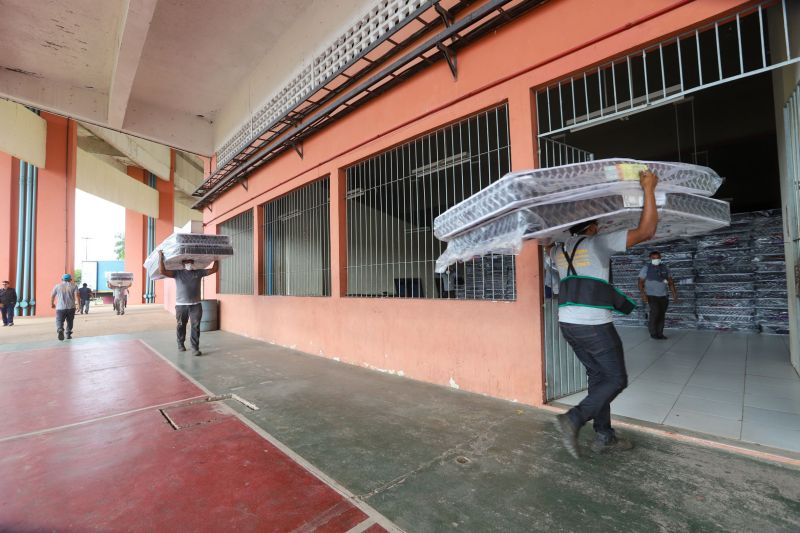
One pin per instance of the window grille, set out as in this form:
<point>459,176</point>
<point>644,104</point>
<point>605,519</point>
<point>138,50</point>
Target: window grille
<point>393,198</point>
<point>297,246</point>
<point>728,49</point>
<point>236,273</point>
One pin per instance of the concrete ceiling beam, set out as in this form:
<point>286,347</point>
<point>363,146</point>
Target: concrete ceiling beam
<point>134,28</point>
<point>146,154</point>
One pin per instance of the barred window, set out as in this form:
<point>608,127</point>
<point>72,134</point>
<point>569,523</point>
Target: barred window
<point>297,246</point>
<point>393,198</point>
<point>236,273</point>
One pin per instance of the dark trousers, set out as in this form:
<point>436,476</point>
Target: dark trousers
<point>185,314</point>
<point>67,315</point>
<point>599,348</point>
<point>84,307</point>
<point>658,312</point>
<point>8,314</point>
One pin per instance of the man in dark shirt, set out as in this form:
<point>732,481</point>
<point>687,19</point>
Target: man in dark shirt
<point>187,299</point>
<point>85,294</point>
<point>8,300</point>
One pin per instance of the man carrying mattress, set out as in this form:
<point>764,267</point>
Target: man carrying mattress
<point>586,300</point>
<point>187,299</point>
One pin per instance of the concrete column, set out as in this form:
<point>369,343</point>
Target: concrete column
<point>522,128</point>
<point>165,223</point>
<point>135,242</point>
<point>338,222</point>
<point>55,218</point>
<point>9,194</point>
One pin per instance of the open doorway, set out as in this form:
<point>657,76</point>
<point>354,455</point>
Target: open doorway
<point>725,367</point>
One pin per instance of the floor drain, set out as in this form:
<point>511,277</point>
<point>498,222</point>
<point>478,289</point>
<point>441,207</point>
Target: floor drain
<point>462,460</point>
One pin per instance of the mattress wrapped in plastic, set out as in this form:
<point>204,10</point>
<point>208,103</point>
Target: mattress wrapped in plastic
<point>569,183</point>
<point>201,248</point>
<point>116,280</point>
<point>680,215</point>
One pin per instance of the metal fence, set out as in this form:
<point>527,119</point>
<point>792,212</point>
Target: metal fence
<point>297,245</point>
<point>394,197</point>
<point>236,273</point>
<point>754,40</point>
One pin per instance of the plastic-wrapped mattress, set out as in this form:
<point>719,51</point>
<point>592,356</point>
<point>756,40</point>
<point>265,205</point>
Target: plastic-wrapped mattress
<point>119,279</point>
<point>569,183</point>
<point>680,215</point>
<point>201,248</point>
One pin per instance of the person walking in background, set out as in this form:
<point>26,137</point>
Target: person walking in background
<point>653,281</point>
<point>120,299</point>
<point>64,299</point>
<point>85,294</point>
<point>8,300</point>
<point>187,299</point>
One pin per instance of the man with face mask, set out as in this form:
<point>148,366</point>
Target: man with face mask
<point>187,299</point>
<point>653,281</point>
<point>585,302</point>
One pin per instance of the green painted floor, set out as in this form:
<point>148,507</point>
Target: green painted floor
<point>431,458</point>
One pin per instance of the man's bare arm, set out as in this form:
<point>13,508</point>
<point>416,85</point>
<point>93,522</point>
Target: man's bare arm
<point>162,269</point>
<point>649,219</point>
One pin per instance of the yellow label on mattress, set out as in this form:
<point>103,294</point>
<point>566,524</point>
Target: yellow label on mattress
<point>630,171</point>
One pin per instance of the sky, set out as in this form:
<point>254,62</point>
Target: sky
<point>96,223</point>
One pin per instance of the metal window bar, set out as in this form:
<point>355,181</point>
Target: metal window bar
<point>564,374</point>
<point>393,198</point>
<point>297,248</point>
<point>725,50</point>
<point>236,273</point>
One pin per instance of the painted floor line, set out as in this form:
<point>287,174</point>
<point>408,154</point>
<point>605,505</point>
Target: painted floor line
<point>363,526</point>
<point>377,517</point>
<point>98,419</point>
<point>706,443</point>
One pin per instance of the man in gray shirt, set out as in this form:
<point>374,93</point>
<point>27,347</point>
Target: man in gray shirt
<point>63,299</point>
<point>187,299</point>
<point>653,281</point>
<point>585,302</point>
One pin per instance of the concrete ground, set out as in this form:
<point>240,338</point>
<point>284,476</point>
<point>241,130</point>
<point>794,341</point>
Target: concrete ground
<point>430,458</point>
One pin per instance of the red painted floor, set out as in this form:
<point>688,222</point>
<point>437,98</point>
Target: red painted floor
<point>134,471</point>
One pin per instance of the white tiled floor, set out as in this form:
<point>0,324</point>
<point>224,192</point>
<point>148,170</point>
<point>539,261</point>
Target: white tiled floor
<point>739,386</point>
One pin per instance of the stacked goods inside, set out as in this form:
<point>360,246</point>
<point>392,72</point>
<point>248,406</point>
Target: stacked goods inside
<point>201,248</point>
<point>732,279</point>
<point>119,279</point>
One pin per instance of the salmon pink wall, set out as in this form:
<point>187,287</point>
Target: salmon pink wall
<point>493,348</point>
<point>9,200</point>
<point>135,243</point>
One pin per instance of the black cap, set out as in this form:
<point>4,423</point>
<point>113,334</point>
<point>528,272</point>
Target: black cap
<point>577,229</point>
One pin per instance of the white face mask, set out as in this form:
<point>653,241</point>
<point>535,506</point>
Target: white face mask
<point>188,266</point>
<point>656,262</point>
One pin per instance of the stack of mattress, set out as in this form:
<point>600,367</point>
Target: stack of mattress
<point>492,278</point>
<point>542,204</point>
<point>772,305</point>
<point>725,291</point>
<point>116,280</point>
<point>201,248</point>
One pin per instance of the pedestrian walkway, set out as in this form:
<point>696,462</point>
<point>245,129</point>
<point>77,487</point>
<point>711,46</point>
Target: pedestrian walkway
<point>426,458</point>
<point>111,437</point>
<point>733,385</point>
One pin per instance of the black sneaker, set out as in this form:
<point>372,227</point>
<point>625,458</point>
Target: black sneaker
<point>60,335</point>
<point>662,337</point>
<point>196,352</point>
<point>181,348</point>
<point>69,336</point>
<point>617,444</point>
<point>569,434</point>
